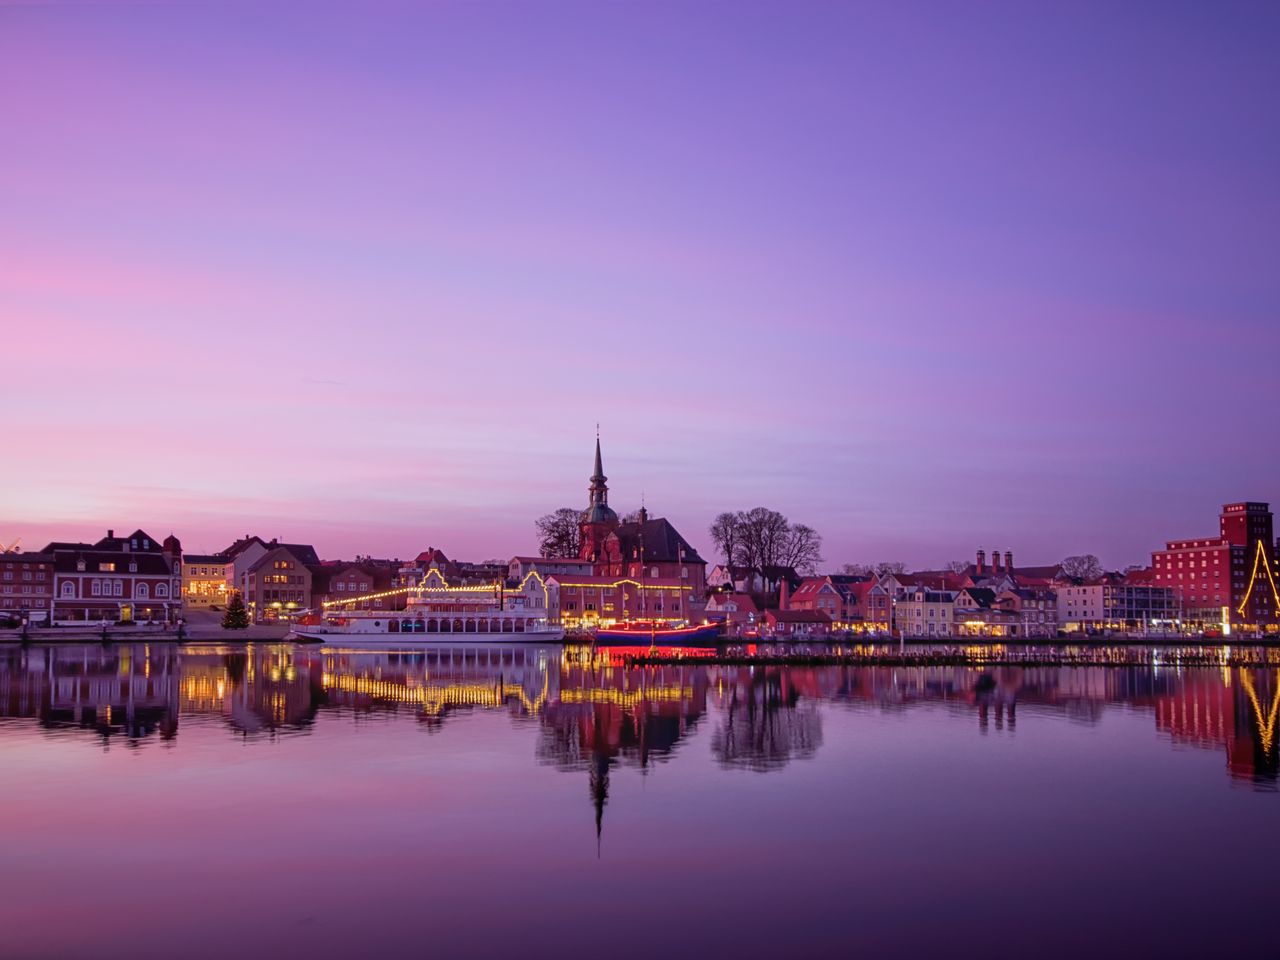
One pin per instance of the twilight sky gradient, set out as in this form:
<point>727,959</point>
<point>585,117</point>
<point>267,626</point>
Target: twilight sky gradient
<point>926,276</point>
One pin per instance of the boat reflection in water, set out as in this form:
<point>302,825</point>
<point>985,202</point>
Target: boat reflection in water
<point>595,712</point>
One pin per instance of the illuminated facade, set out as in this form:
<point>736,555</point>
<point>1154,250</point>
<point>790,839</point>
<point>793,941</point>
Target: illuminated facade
<point>926,613</point>
<point>277,587</point>
<point>206,580</point>
<point>1229,581</point>
<point>644,549</point>
<point>1110,603</point>
<point>117,580</point>
<point>854,604</point>
<point>589,601</point>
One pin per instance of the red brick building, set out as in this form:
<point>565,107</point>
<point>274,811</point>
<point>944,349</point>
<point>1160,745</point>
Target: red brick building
<point>602,600</point>
<point>854,603</point>
<point>644,549</point>
<point>26,585</point>
<point>1228,581</point>
<point>117,579</point>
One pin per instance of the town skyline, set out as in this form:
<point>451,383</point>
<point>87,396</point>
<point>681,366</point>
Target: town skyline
<point>213,536</point>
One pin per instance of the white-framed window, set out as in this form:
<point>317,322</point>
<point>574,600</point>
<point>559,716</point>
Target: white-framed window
<point>68,588</point>
<point>117,588</point>
<point>143,592</point>
<point>95,588</point>
<point>162,590</point>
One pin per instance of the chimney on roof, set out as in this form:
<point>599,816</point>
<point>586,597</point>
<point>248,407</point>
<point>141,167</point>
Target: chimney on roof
<point>1008,561</point>
<point>982,562</point>
<point>995,561</point>
<point>111,534</point>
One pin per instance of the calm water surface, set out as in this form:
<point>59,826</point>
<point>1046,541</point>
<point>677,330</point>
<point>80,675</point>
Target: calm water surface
<point>535,802</point>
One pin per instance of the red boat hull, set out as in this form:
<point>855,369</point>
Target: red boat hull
<point>662,636</point>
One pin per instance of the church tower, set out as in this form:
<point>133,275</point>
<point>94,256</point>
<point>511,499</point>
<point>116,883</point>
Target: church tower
<point>598,520</point>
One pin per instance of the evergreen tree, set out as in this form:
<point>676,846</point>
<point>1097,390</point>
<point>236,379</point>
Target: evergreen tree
<point>236,617</point>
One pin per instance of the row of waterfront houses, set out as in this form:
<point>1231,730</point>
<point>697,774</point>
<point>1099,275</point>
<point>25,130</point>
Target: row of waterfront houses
<point>642,568</point>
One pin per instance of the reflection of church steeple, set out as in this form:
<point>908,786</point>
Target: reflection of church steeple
<point>599,791</point>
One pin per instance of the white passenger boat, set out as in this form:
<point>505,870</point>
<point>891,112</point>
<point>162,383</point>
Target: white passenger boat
<point>436,611</point>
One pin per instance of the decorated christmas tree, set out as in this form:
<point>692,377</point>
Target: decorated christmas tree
<point>236,617</point>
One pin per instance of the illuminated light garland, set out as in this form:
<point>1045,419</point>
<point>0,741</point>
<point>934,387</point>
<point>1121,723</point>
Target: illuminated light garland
<point>491,588</point>
<point>1267,728</point>
<point>434,697</point>
<point>627,698</point>
<point>617,583</point>
<point>1260,555</point>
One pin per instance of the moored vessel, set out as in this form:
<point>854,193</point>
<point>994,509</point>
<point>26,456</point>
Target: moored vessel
<point>436,610</point>
<point>660,632</point>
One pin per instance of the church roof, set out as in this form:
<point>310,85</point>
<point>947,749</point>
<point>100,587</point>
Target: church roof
<point>661,541</point>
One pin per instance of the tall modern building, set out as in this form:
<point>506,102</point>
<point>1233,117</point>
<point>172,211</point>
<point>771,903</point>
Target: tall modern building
<point>1227,581</point>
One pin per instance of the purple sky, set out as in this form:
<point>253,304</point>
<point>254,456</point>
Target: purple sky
<point>925,276</point>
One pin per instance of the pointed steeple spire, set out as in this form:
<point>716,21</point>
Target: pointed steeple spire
<point>599,471</point>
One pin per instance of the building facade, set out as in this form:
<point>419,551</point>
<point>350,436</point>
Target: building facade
<point>277,587</point>
<point>1109,604</point>
<point>117,580</point>
<point>925,613</point>
<point>1229,581</point>
<point>206,580</point>
<point>603,601</point>
<point>26,586</point>
<point>644,549</point>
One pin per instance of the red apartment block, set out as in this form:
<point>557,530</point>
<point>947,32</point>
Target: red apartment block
<point>1228,579</point>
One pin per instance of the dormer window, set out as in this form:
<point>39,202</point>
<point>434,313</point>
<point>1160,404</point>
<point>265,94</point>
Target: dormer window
<point>106,568</point>
<point>80,566</point>
<point>133,567</point>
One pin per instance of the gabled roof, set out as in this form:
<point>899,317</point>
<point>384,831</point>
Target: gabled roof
<point>744,601</point>
<point>243,544</point>
<point>206,558</point>
<point>982,596</point>
<point>151,563</point>
<point>661,542</point>
<point>144,541</point>
<point>303,551</point>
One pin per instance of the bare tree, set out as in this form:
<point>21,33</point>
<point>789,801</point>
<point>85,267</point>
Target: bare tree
<point>890,566</point>
<point>857,570</point>
<point>803,549</point>
<point>764,537</point>
<point>559,533</point>
<point>957,566</point>
<point>1082,567</point>
<point>726,534</point>
<point>760,538</point>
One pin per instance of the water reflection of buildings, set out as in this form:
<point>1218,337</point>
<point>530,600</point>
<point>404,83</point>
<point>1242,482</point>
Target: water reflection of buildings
<point>434,682</point>
<point>769,715</point>
<point>130,691</point>
<point>594,713</point>
<point>137,690</point>
<point>1234,710</point>
<point>608,714</point>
